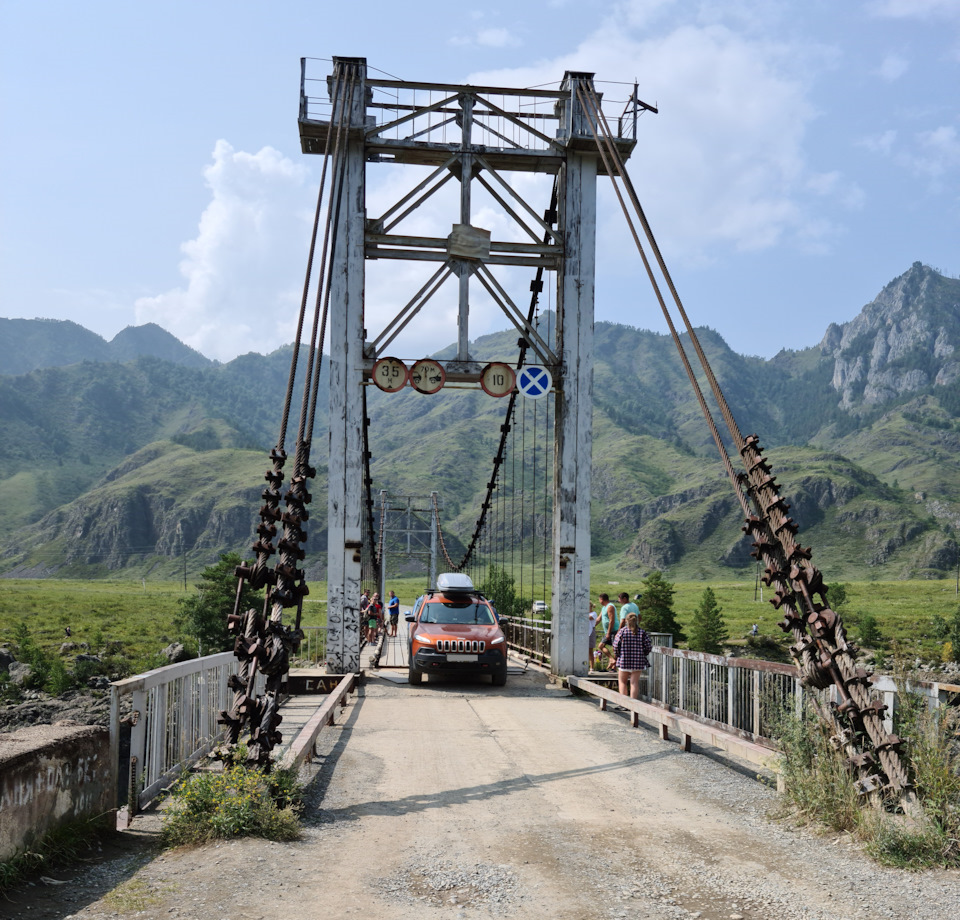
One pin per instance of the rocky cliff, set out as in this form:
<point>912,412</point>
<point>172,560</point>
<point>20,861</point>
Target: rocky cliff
<point>902,342</point>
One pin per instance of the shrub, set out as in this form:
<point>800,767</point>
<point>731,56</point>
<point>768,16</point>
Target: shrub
<point>237,802</point>
<point>818,785</point>
<point>953,636</point>
<point>815,778</point>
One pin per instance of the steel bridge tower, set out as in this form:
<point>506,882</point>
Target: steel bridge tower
<point>478,136</point>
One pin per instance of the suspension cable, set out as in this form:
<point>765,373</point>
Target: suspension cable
<point>823,655</point>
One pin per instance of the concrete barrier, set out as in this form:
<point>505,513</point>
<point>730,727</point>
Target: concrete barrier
<point>51,775</point>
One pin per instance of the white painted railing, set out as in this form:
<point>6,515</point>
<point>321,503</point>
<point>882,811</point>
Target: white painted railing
<point>174,713</point>
<point>313,648</point>
<point>530,636</point>
<point>746,696</point>
<point>743,696</point>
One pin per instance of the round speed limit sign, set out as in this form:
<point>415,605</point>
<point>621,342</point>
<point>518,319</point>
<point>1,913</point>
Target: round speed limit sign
<point>390,374</point>
<point>498,379</point>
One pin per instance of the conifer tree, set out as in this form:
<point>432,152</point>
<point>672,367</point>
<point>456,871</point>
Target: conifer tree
<point>708,633</point>
<point>656,607</point>
<point>203,616</point>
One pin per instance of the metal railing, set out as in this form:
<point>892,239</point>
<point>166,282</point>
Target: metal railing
<point>173,715</point>
<point>745,697</point>
<point>502,116</point>
<point>313,648</point>
<point>530,636</point>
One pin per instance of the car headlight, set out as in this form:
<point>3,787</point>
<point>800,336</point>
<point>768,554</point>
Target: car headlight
<point>498,639</point>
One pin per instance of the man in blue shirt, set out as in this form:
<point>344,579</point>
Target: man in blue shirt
<point>627,606</point>
<point>393,608</point>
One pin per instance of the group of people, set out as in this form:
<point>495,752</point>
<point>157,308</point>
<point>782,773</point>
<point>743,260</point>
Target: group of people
<point>372,614</point>
<point>625,643</point>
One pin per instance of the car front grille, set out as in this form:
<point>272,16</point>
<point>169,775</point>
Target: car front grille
<point>461,645</point>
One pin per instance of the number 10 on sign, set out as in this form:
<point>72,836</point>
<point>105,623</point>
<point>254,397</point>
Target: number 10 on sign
<point>498,379</point>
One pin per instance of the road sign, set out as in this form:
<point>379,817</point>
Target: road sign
<point>427,376</point>
<point>390,374</point>
<point>497,379</point>
<point>534,381</point>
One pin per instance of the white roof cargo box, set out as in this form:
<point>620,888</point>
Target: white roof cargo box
<point>454,583</point>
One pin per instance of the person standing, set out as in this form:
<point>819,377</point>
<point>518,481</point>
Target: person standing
<point>374,618</point>
<point>609,622</point>
<point>631,646</point>
<point>393,608</point>
<point>627,606</point>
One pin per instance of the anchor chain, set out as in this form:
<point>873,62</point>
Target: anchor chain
<point>820,648</point>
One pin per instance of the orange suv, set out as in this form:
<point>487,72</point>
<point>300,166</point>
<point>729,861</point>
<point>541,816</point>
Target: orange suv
<point>455,630</point>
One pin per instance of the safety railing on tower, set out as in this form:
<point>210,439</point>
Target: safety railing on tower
<point>522,119</point>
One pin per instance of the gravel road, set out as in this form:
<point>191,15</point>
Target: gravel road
<point>462,800</point>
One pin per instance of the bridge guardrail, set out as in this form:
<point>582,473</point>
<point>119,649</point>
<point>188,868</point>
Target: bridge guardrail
<point>531,636</point>
<point>174,720</point>
<point>313,648</point>
<point>741,696</point>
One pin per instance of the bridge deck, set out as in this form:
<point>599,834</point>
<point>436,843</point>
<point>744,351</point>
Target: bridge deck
<point>463,800</point>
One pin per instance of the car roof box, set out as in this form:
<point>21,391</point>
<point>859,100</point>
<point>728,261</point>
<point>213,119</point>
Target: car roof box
<point>454,583</point>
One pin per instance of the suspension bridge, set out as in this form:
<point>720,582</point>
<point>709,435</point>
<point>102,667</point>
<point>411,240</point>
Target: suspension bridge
<point>456,152</point>
<point>459,154</point>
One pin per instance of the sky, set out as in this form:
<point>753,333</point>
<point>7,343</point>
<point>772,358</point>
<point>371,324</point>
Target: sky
<point>804,154</point>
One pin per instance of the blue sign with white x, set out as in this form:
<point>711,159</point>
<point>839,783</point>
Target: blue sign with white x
<point>534,381</point>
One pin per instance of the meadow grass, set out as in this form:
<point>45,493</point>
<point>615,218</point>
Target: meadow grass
<point>140,614</point>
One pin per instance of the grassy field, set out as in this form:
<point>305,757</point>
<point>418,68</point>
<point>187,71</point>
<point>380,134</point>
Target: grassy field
<point>140,615</point>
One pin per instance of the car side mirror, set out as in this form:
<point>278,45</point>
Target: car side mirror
<point>409,617</point>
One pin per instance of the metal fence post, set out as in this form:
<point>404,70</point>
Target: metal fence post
<point>138,748</point>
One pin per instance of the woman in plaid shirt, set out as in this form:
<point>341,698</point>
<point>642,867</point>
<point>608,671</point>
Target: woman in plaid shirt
<point>631,645</point>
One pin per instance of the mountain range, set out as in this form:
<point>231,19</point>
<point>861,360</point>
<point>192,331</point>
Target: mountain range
<point>140,454</point>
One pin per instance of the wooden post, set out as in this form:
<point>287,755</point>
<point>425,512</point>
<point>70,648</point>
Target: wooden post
<point>346,380</point>
<point>573,421</point>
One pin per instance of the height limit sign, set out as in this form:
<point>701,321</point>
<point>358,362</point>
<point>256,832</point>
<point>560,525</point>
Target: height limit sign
<point>534,381</point>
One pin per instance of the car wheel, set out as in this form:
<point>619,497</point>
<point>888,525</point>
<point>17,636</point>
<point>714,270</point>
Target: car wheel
<point>499,678</point>
<point>415,676</point>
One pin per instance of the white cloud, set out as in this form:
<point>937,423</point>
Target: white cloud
<point>497,38</point>
<point>244,270</point>
<point>929,154</point>
<point>893,67</point>
<point>489,37</point>
<point>723,165</point>
<point>880,143</point>
<point>938,151</point>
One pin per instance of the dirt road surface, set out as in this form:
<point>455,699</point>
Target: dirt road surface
<point>462,800</point>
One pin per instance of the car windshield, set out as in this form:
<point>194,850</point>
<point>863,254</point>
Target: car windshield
<point>461,613</point>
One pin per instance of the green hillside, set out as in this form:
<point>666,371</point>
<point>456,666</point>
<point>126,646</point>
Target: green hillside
<point>108,465</point>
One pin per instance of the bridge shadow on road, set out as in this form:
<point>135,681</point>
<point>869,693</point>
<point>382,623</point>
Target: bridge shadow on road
<point>482,793</point>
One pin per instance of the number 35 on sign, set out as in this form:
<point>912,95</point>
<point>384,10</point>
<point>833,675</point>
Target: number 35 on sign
<point>390,374</point>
